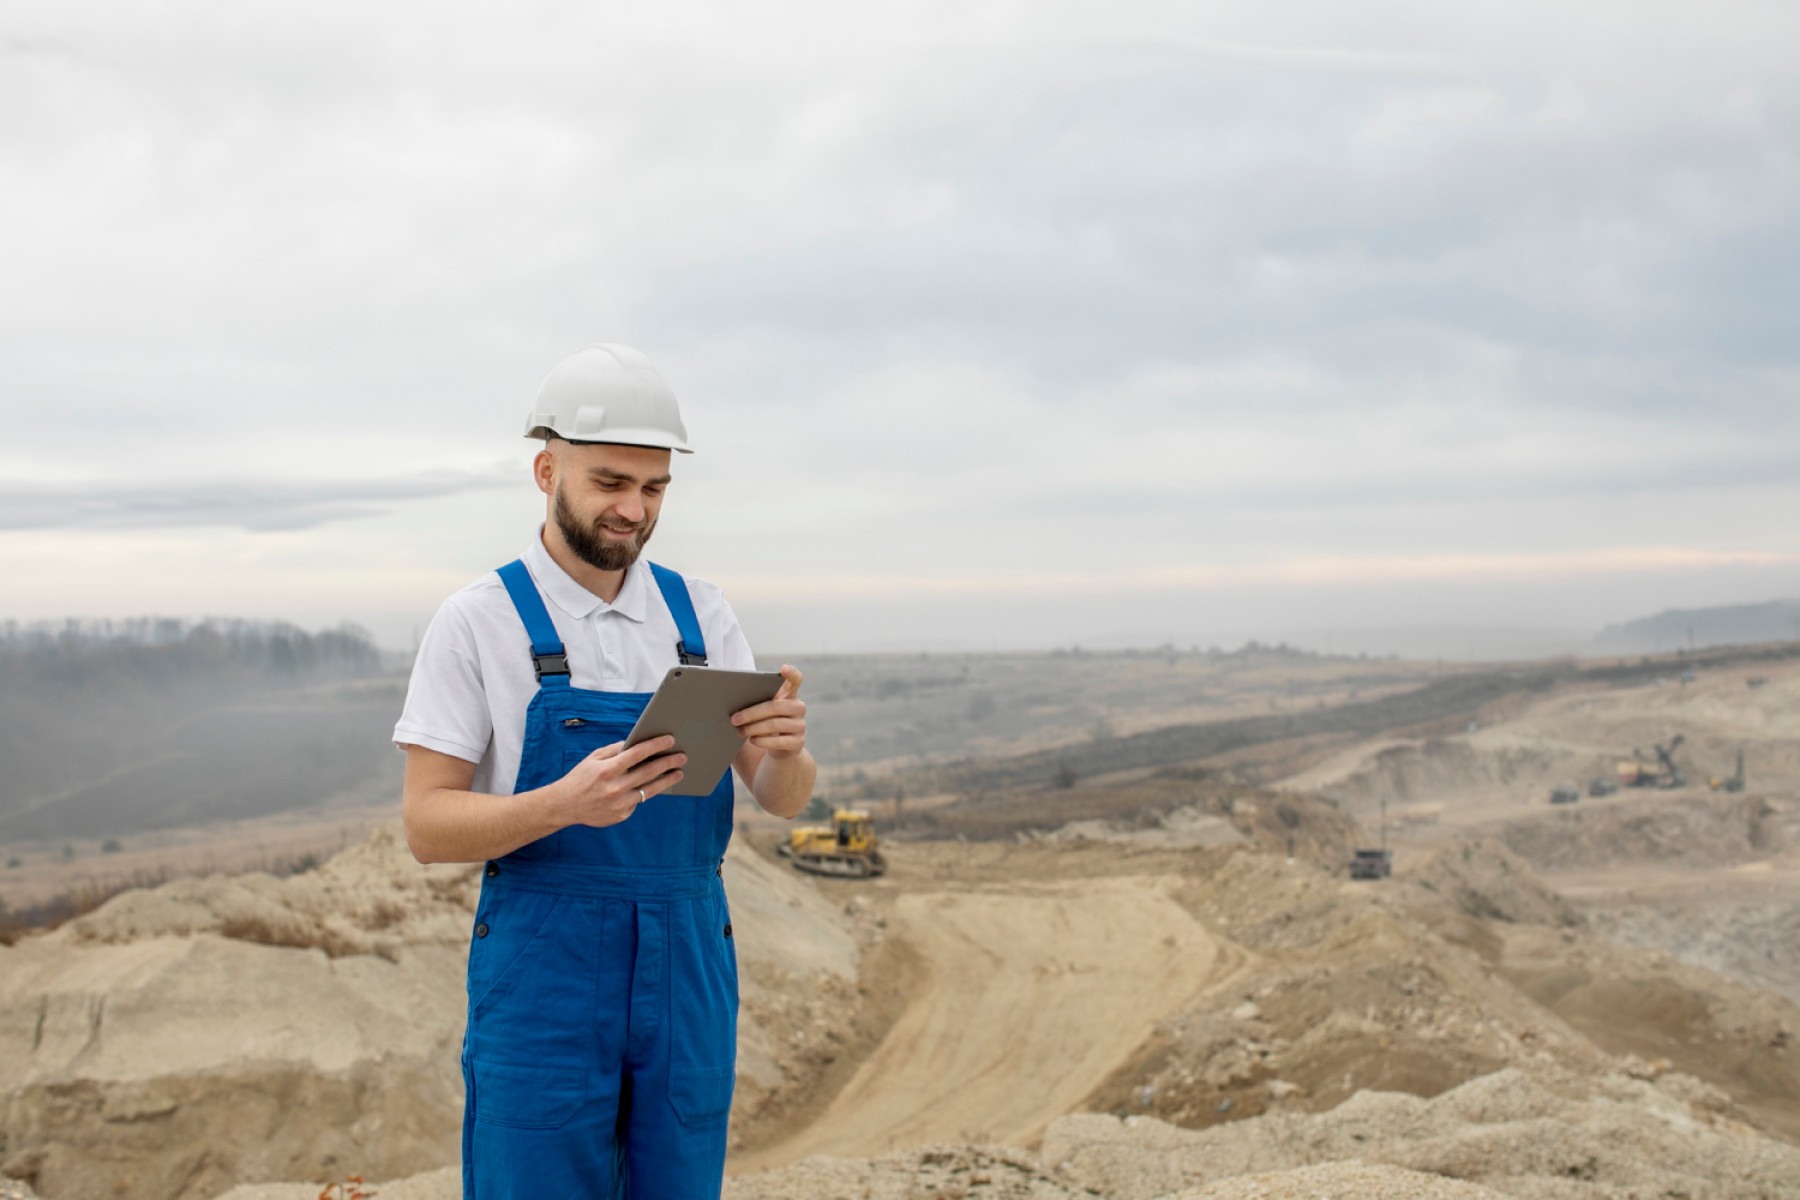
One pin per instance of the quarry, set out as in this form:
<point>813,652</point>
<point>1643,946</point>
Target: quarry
<point>1153,980</point>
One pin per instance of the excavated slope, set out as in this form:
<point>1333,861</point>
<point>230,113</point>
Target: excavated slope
<point>1504,1134</point>
<point>181,1039</point>
<point>1028,997</point>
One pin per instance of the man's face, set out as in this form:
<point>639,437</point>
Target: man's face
<point>604,499</point>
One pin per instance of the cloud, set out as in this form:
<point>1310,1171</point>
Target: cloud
<point>259,506</point>
<point>944,287</point>
<point>1361,572</point>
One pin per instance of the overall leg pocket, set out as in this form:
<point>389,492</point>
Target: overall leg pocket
<point>532,982</point>
<point>507,924</point>
<point>521,1096</point>
<point>703,1050</point>
<point>701,1095</point>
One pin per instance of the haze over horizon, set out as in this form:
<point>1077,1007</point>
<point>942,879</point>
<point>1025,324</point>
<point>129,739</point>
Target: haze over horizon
<point>995,326</point>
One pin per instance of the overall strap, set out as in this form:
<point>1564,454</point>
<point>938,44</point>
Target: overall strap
<point>546,648</point>
<point>681,606</point>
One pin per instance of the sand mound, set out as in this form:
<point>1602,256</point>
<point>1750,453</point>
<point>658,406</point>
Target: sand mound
<point>1503,1134</point>
<point>1693,829</point>
<point>181,1039</point>
<point>1283,1032</point>
<point>143,1052</point>
<point>1411,773</point>
<point>1350,990</point>
<point>1643,1005</point>
<point>974,1173</point>
<point>1504,1131</point>
<point>937,1173</point>
<point>1182,828</point>
<point>369,899</point>
<point>1513,758</point>
<point>1754,939</point>
<point>1341,1181</point>
<point>1482,877</point>
<point>797,970</point>
<point>963,1172</point>
<point>442,1184</point>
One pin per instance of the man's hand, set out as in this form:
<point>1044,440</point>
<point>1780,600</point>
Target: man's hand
<point>446,822</point>
<point>607,786</point>
<point>777,727</point>
<point>773,760</point>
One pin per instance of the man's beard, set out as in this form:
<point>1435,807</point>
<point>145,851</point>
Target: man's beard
<point>591,546</point>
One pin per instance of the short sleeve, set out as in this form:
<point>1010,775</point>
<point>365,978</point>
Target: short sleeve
<point>726,645</point>
<point>446,706</point>
<point>734,649</point>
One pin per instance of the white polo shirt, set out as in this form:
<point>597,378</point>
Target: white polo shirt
<point>473,678</point>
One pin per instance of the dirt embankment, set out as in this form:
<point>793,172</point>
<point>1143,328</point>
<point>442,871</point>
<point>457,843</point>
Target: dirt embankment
<point>1026,996</point>
<point>1517,1134</point>
<point>1198,807</point>
<point>1348,1040</point>
<point>1234,1015</point>
<point>1507,760</point>
<point>184,1038</point>
<point>162,1045</point>
<point>1419,985</point>
<point>1693,830</point>
<point>1508,1134</point>
<point>1742,931</point>
<point>1480,876</point>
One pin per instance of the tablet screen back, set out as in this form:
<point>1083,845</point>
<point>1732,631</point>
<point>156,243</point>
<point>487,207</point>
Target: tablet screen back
<point>694,704</point>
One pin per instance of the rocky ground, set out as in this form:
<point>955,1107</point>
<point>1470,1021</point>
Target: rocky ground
<point>1458,1031</point>
<point>182,1038</point>
<point>1159,1006</point>
<point>1503,1134</point>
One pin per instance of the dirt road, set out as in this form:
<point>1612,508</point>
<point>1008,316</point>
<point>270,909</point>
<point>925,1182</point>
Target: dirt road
<point>1031,995</point>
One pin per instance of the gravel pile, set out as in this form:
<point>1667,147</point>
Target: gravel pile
<point>937,1173</point>
<point>1512,1134</point>
<point>1342,1181</point>
<point>1503,1135</point>
<point>180,1039</point>
<point>445,1184</point>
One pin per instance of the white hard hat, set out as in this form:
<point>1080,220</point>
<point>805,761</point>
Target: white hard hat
<point>608,393</point>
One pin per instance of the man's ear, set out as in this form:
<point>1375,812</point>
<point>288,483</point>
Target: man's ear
<point>543,470</point>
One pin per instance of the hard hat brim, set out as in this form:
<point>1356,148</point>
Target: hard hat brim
<point>655,439</point>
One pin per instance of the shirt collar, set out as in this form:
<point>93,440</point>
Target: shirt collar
<point>577,601</point>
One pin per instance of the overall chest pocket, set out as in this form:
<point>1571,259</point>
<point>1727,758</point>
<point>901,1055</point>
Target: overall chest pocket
<point>574,738</point>
<point>557,748</point>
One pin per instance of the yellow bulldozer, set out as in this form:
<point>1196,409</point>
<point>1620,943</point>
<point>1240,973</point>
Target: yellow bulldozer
<point>845,848</point>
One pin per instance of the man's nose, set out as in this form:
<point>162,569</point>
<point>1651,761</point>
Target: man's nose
<point>630,508</point>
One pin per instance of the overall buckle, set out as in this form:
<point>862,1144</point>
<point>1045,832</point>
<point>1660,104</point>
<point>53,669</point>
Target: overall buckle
<point>550,664</point>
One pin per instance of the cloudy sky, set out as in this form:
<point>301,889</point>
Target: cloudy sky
<point>997,324</point>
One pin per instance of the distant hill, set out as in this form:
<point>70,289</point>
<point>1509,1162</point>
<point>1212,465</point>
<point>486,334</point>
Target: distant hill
<point>109,728</point>
<point>1693,628</point>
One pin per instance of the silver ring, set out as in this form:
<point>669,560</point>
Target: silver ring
<point>641,796</point>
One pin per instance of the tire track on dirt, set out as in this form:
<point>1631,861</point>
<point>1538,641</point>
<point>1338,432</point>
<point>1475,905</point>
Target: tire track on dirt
<point>1031,996</point>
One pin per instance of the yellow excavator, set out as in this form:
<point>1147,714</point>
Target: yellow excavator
<point>1639,772</point>
<point>845,848</point>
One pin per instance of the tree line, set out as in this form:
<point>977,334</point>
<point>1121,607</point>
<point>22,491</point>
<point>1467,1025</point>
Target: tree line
<point>159,652</point>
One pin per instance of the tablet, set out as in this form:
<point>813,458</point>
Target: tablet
<point>695,705</point>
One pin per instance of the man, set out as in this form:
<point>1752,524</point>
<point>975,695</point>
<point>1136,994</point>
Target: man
<point>598,1060</point>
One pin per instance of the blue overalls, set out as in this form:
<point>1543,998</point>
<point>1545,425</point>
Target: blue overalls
<point>603,996</point>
